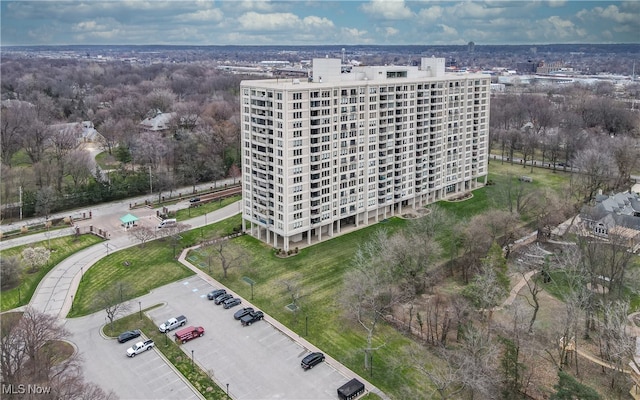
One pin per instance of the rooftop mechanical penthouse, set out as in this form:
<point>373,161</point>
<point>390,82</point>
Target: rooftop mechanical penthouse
<point>352,146</point>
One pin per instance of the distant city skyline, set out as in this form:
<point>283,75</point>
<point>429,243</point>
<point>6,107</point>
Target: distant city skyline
<point>376,22</point>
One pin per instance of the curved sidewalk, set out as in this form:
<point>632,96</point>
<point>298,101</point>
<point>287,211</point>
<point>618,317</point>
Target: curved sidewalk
<point>54,293</point>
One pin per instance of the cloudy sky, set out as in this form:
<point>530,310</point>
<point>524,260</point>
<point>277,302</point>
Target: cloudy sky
<point>348,22</point>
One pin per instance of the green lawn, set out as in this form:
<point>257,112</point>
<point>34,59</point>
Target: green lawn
<point>318,271</point>
<point>142,268</point>
<point>62,247</point>
<point>106,161</point>
<point>149,267</point>
<point>205,208</point>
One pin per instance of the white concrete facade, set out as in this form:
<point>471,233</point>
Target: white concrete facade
<point>352,148</point>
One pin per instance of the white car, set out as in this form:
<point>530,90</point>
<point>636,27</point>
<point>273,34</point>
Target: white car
<point>140,347</point>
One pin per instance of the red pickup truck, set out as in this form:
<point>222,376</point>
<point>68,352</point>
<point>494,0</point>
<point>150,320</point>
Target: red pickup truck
<point>188,333</point>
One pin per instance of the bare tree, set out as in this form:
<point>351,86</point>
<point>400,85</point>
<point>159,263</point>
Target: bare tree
<point>478,360</point>
<point>230,256</point>
<point>626,156</point>
<point>617,345</point>
<point>447,378</point>
<point>113,300</point>
<point>14,118</point>
<point>293,288</point>
<point>78,165</point>
<point>45,200</point>
<point>596,172</point>
<point>10,269</point>
<point>62,143</point>
<point>31,353</point>
<point>142,234</point>
<point>369,291</point>
<point>173,232</point>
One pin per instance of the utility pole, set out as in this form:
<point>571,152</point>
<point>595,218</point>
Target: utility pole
<point>20,192</point>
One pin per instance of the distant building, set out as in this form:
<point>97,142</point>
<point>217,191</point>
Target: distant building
<point>528,67</point>
<point>471,47</point>
<point>82,131</point>
<point>345,149</point>
<point>159,122</point>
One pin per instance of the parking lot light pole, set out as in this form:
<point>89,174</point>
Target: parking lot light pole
<point>227,390</point>
<point>71,302</point>
<point>140,306</point>
<point>191,360</point>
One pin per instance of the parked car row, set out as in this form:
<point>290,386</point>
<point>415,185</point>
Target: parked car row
<point>221,297</point>
<point>181,336</point>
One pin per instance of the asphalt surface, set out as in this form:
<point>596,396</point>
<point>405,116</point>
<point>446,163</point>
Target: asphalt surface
<point>257,361</point>
<point>145,376</point>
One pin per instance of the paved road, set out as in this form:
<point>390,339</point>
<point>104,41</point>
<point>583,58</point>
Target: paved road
<point>53,295</point>
<point>114,209</point>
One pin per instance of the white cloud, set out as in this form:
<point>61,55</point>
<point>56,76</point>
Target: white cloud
<point>448,30</point>
<point>391,31</point>
<point>474,10</point>
<point>613,13</point>
<point>557,3</point>
<point>430,14</point>
<point>253,21</point>
<point>213,15</point>
<point>250,5</point>
<point>388,9</point>
<point>314,22</point>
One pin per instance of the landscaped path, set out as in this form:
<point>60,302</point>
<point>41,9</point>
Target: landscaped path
<point>54,293</point>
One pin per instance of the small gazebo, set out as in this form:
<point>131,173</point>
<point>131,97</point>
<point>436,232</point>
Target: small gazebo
<point>128,220</point>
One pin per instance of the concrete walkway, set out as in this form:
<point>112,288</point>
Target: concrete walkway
<point>54,293</point>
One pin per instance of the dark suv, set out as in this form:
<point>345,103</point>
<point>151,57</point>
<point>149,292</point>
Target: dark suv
<point>311,360</point>
<point>212,295</point>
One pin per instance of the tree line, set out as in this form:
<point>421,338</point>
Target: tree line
<point>43,154</point>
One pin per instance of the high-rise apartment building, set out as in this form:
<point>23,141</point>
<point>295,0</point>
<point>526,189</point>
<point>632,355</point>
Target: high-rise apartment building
<point>352,146</point>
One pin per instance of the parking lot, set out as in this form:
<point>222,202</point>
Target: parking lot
<point>257,361</point>
<point>146,376</point>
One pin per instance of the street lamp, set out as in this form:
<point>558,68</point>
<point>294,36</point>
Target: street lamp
<point>191,360</point>
<point>227,390</point>
<point>71,302</point>
<point>81,273</point>
<point>140,306</point>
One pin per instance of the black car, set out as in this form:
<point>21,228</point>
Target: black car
<point>194,199</point>
<point>128,335</point>
<point>212,295</point>
<point>241,313</point>
<point>232,302</point>
<point>222,298</point>
<point>251,318</point>
<point>311,360</point>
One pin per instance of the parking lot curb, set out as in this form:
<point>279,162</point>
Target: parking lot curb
<point>369,387</point>
<point>175,370</point>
